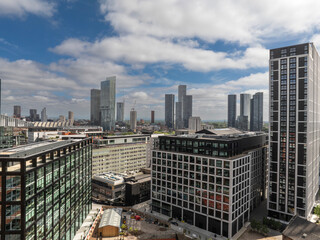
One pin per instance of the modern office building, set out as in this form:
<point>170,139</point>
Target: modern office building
<point>232,110</point>
<point>182,92</point>
<point>120,111</point>
<point>209,181</point>
<point>17,111</point>
<point>133,120</point>
<point>33,115</point>
<point>71,117</point>
<point>45,189</point>
<point>256,108</point>
<point>169,110</point>
<point>244,117</point>
<point>152,117</point>
<point>187,110</point>
<point>95,113</point>
<point>121,154</point>
<point>44,116</point>
<point>294,131</point>
<point>108,103</point>
<point>194,123</point>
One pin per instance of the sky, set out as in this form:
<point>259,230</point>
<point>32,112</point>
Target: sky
<point>53,52</point>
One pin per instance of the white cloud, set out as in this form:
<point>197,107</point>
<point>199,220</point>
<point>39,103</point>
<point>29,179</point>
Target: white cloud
<point>23,7</point>
<point>242,21</point>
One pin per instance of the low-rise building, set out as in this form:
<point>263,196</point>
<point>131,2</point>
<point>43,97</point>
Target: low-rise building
<point>110,223</point>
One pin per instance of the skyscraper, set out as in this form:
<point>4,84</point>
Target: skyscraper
<point>232,110</point>
<point>71,117</point>
<point>44,116</point>
<point>17,111</point>
<point>133,120</point>
<point>256,108</point>
<point>244,117</point>
<point>95,107</point>
<point>182,91</point>
<point>194,123</point>
<point>33,115</point>
<point>108,103</point>
<point>169,110</point>
<point>120,111</point>
<point>187,109</point>
<point>152,116</point>
<point>294,131</point>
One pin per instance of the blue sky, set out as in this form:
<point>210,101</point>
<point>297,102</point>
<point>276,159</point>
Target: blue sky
<point>53,52</point>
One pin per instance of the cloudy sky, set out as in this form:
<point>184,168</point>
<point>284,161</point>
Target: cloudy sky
<point>53,52</point>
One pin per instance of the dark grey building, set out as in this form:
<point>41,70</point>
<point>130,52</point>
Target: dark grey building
<point>294,131</point>
<point>95,107</point>
<point>169,110</point>
<point>232,110</point>
<point>45,189</point>
<point>256,108</point>
<point>17,111</point>
<point>243,120</point>
<point>33,115</point>
<point>182,91</point>
<point>120,111</point>
<point>187,110</point>
<point>108,103</point>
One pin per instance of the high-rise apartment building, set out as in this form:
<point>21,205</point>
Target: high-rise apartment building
<point>152,117</point>
<point>133,120</point>
<point>33,115</point>
<point>44,116</point>
<point>62,118</point>
<point>71,117</point>
<point>17,111</point>
<point>120,111</point>
<point>95,113</point>
<point>256,109</point>
<point>187,110</point>
<point>232,110</point>
<point>194,123</point>
<point>182,92</point>
<point>45,189</point>
<point>211,182</point>
<point>108,103</point>
<point>169,110</point>
<point>243,119</point>
<point>294,131</point>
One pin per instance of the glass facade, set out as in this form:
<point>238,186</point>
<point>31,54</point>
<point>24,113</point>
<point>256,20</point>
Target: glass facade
<point>46,195</point>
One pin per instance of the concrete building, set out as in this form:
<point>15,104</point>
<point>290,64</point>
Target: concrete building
<point>17,111</point>
<point>120,111</point>
<point>120,154</point>
<point>169,110</point>
<point>108,103</point>
<point>71,117</point>
<point>209,181</point>
<point>138,188</point>
<point>244,117</point>
<point>182,92</point>
<point>33,115</point>
<point>62,118</point>
<point>256,116</point>
<point>187,110</point>
<point>95,113</point>
<point>294,131</point>
<point>6,121</point>
<point>152,117</point>
<point>133,120</point>
<point>46,189</point>
<point>44,116</point>
<point>194,123</point>
<point>232,110</point>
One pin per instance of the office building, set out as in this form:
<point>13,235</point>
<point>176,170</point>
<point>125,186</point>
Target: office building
<point>169,110</point>
<point>209,181</point>
<point>133,120</point>
<point>182,92</point>
<point>108,103</point>
<point>46,189</point>
<point>120,154</point>
<point>256,108</point>
<point>232,110</point>
<point>294,131</point>
<point>71,117</point>
<point>187,110</point>
<point>95,107</point>
<point>17,111</point>
<point>243,122</point>
<point>120,111</point>
<point>44,116</point>
<point>33,115</point>
<point>152,117</point>
<point>195,123</point>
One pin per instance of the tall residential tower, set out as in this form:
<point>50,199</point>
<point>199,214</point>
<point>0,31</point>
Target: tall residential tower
<point>95,107</point>
<point>108,103</point>
<point>120,111</point>
<point>256,108</point>
<point>169,110</point>
<point>294,131</point>
<point>232,110</point>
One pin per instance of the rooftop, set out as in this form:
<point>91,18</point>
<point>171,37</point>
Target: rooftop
<point>33,148</point>
<point>111,217</point>
<point>299,229</point>
<point>110,178</point>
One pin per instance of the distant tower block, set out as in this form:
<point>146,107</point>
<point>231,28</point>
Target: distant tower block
<point>152,116</point>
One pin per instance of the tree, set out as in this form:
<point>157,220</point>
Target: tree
<point>317,210</point>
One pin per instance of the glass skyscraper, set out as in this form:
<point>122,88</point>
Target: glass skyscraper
<point>108,103</point>
<point>45,189</point>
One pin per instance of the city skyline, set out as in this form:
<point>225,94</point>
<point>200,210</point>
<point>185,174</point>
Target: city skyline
<point>61,57</point>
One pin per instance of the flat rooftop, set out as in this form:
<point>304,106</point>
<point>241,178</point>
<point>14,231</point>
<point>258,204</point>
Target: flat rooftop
<point>25,151</point>
<point>224,137</point>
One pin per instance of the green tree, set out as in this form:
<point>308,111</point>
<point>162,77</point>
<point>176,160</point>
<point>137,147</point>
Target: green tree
<point>317,210</point>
